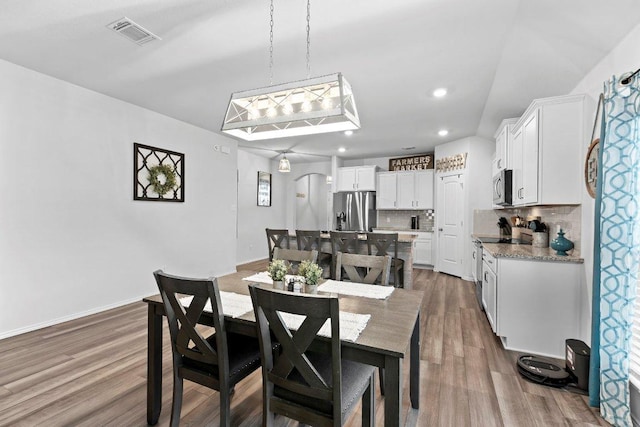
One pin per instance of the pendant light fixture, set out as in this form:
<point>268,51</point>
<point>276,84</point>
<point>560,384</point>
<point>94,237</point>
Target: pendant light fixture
<point>315,105</point>
<point>284,166</point>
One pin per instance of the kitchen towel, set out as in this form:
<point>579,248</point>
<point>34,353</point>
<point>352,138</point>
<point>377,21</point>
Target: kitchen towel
<point>263,277</point>
<point>356,289</point>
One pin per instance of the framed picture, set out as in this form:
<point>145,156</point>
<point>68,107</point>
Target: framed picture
<point>158,174</point>
<point>264,189</point>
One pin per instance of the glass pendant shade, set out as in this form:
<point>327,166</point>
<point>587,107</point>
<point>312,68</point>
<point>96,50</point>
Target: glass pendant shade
<point>284,165</point>
<point>317,105</point>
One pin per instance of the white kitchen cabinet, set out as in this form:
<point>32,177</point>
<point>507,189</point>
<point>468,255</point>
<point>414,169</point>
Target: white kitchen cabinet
<point>405,196</point>
<point>357,178</point>
<point>536,304</point>
<point>423,248</point>
<point>546,151</point>
<point>503,136</point>
<point>489,289</point>
<point>386,190</point>
<point>413,190</point>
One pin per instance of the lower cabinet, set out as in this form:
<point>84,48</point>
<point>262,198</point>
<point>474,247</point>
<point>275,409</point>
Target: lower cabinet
<point>423,249</point>
<point>537,305</point>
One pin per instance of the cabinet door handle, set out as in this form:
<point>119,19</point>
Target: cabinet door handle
<point>485,276</point>
<point>416,203</point>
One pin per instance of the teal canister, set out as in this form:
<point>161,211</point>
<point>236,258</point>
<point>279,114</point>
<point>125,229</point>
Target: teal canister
<point>561,244</point>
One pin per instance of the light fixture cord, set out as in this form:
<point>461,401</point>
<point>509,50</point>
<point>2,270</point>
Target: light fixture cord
<point>308,39</point>
<point>271,46</point>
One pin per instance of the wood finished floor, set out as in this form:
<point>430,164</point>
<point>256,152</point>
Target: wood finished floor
<point>92,371</point>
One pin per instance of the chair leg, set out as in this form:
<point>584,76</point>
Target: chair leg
<point>225,408</point>
<point>177,400</point>
<point>369,404</point>
<point>381,375</point>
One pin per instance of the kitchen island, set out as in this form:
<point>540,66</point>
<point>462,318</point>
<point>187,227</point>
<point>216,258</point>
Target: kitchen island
<point>405,251</point>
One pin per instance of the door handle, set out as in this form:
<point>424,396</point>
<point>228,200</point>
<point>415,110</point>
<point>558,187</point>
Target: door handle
<point>439,229</point>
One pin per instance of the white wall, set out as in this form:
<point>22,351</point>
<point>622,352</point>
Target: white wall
<point>311,202</point>
<point>73,240</point>
<point>253,219</point>
<point>623,58</point>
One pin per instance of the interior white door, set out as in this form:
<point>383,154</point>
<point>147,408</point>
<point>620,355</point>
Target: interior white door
<point>450,224</point>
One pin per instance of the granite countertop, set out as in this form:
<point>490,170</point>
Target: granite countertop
<point>516,251</point>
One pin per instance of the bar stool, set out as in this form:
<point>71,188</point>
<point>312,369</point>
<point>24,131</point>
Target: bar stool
<point>387,244</point>
<point>277,239</point>
<point>309,240</point>
<point>342,241</point>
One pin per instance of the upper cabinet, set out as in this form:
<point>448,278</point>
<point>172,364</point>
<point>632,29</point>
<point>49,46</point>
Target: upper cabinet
<point>357,178</point>
<point>386,190</point>
<point>546,151</point>
<point>503,138</point>
<point>405,190</point>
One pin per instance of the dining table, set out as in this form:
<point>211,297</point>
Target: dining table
<point>391,334</point>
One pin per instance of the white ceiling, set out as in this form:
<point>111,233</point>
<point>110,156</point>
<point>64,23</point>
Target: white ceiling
<point>494,56</point>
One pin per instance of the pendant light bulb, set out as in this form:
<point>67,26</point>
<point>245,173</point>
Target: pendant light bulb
<point>284,166</point>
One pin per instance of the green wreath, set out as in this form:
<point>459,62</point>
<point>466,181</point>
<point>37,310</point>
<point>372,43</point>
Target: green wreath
<point>169,175</point>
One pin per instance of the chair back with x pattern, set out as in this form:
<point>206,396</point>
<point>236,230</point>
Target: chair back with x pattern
<point>186,340</point>
<point>308,240</point>
<point>277,238</point>
<point>369,269</point>
<point>345,242</point>
<point>293,371</point>
<point>384,243</point>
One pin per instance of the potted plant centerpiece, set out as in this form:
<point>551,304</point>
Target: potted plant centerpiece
<point>311,273</point>
<point>277,270</point>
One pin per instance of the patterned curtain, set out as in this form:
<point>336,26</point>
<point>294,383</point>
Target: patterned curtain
<point>617,251</point>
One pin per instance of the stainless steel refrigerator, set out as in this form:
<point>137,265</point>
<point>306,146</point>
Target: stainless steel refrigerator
<point>355,211</point>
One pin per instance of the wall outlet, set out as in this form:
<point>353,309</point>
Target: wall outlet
<point>388,219</point>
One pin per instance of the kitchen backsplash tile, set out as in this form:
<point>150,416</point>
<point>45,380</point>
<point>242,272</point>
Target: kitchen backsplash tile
<point>567,217</point>
<point>402,219</point>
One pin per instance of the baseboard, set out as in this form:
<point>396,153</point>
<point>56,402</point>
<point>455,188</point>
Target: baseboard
<point>73,316</point>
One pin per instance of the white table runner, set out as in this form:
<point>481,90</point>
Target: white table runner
<point>351,324</point>
<point>356,289</point>
<point>263,277</point>
<point>234,305</point>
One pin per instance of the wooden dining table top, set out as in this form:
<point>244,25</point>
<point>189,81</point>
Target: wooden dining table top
<point>388,331</point>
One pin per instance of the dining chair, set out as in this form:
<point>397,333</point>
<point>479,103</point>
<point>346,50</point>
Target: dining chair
<point>387,244</point>
<point>309,240</point>
<point>277,239</point>
<point>342,241</point>
<point>370,269</point>
<point>218,361</point>
<point>309,381</point>
<point>294,257</point>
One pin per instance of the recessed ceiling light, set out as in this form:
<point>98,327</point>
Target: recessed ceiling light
<point>342,149</point>
<point>443,132</point>
<point>440,92</point>
<point>348,132</point>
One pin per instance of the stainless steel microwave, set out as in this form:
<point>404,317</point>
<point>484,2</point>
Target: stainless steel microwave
<point>502,183</point>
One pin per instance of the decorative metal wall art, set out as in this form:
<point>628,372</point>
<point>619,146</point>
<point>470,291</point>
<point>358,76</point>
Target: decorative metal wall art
<point>158,174</point>
<point>451,163</point>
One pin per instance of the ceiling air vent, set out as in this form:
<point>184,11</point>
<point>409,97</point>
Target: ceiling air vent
<point>132,31</point>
